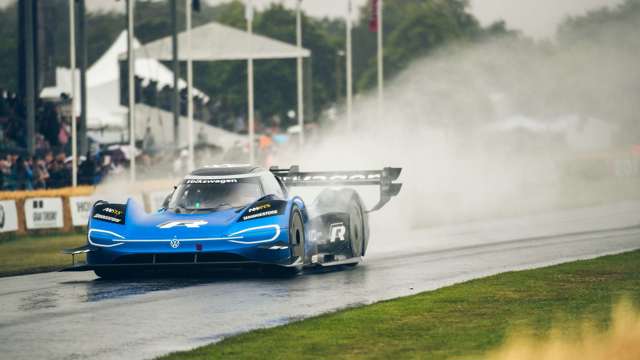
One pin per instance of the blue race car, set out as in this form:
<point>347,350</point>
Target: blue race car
<point>231,216</point>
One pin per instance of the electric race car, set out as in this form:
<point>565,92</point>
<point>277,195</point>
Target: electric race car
<point>236,217</point>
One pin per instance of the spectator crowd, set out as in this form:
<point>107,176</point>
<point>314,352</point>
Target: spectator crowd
<point>50,165</point>
<point>18,172</point>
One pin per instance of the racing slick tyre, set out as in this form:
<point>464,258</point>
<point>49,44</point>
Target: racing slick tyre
<point>296,246</point>
<point>356,227</point>
<point>296,234</point>
<point>347,201</point>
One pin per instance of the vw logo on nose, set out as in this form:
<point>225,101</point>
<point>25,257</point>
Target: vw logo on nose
<point>175,243</point>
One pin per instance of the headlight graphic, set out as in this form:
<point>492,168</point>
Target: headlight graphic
<point>257,235</point>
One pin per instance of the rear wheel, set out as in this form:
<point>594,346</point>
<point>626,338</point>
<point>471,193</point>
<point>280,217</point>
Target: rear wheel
<point>348,202</point>
<point>296,234</point>
<point>356,228</point>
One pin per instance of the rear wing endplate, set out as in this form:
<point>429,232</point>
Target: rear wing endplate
<point>384,178</point>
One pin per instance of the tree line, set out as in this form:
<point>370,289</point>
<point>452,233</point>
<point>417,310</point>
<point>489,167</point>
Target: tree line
<point>413,29</point>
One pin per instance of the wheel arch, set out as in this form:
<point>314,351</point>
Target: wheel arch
<point>338,201</point>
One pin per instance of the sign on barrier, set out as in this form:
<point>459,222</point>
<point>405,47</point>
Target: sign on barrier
<point>8,216</point>
<point>80,208</point>
<point>43,213</point>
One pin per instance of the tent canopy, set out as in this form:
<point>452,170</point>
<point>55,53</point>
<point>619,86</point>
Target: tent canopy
<point>107,70</point>
<point>214,41</point>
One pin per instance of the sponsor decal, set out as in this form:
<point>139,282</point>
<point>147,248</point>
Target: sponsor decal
<point>315,236</point>
<point>337,177</point>
<point>259,215</point>
<point>337,232</point>
<point>264,209</point>
<point>186,223</point>
<point>259,208</point>
<point>114,213</point>
<point>107,218</point>
<point>210,181</point>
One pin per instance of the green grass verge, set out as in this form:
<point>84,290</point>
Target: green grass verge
<point>458,322</point>
<point>31,254</point>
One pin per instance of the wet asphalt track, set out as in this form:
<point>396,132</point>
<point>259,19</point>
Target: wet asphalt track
<point>75,316</point>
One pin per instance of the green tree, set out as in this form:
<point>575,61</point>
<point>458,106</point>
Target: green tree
<point>412,29</point>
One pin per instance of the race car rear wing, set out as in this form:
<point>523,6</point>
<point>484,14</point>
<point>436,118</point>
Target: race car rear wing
<point>383,178</point>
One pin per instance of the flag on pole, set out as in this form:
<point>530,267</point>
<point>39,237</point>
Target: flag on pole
<point>373,21</point>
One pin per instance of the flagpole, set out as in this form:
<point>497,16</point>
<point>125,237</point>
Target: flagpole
<point>349,69</point>
<point>175,62</point>
<point>74,124</point>
<point>131,73</point>
<point>191,164</point>
<point>299,73</point>
<point>380,63</point>
<point>249,18</point>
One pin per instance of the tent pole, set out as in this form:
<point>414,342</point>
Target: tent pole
<point>189,87</point>
<point>72,59</point>
<point>349,69</point>
<point>299,74</point>
<point>249,18</point>
<point>29,73</point>
<point>131,73</point>
<point>83,145</point>
<point>380,63</point>
<point>176,71</point>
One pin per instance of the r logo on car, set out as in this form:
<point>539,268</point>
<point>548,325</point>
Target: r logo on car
<point>337,232</point>
<point>185,223</point>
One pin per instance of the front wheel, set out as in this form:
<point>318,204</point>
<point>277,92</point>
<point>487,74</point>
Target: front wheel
<point>296,234</point>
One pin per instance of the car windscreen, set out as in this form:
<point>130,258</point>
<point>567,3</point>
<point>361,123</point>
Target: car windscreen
<point>210,194</point>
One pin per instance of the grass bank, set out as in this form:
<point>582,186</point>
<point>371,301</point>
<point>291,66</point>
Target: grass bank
<point>458,322</point>
<point>32,254</point>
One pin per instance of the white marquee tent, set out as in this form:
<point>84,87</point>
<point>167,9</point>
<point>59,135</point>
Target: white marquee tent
<point>214,42</point>
<point>103,85</point>
<point>107,119</point>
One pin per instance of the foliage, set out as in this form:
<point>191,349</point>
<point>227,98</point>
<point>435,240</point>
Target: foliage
<point>413,28</point>
<point>33,254</point>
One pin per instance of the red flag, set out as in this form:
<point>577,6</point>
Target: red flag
<point>373,22</point>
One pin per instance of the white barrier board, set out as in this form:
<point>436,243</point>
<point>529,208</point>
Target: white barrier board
<point>80,207</point>
<point>43,213</point>
<point>8,216</point>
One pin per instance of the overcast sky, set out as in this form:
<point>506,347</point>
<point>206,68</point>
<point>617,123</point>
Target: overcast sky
<point>537,18</point>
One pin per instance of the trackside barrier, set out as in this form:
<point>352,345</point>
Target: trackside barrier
<point>8,216</point>
<point>60,210</point>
